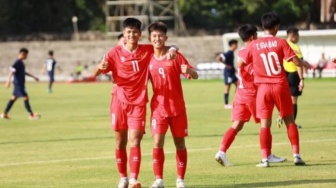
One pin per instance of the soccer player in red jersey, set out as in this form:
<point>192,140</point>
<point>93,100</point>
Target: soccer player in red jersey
<point>244,104</point>
<point>129,65</point>
<point>167,104</point>
<point>267,54</point>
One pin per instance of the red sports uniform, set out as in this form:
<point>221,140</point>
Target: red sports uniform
<point>167,104</point>
<point>244,105</point>
<point>267,54</point>
<point>129,96</point>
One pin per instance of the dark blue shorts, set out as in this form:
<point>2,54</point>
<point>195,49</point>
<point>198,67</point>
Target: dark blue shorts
<point>19,91</point>
<point>230,76</point>
<point>51,76</point>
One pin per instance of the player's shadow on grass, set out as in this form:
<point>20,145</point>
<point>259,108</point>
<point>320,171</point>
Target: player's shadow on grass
<point>56,140</point>
<point>270,184</point>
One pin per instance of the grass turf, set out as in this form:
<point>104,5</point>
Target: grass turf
<point>72,145</point>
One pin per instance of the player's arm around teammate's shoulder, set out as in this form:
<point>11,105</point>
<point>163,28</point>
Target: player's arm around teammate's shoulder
<point>172,52</point>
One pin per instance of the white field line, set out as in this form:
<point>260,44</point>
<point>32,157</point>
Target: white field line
<point>148,154</point>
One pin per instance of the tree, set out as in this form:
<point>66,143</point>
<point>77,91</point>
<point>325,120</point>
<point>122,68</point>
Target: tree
<point>53,16</point>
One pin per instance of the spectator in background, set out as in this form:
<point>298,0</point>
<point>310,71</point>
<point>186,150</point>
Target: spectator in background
<point>320,65</point>
<point>331,14</point>
<point>333,60</point>
<point>78,70</point>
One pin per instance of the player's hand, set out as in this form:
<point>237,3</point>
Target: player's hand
<point>184,69</point>
<point>171,54</point>
<point>7,85</point>
<point>228,66</point>
<point>301,85</point>
<point>37,79</point>
<point>102,65</point>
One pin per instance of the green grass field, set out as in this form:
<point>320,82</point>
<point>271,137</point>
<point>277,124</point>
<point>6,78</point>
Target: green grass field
<point>73,145</point>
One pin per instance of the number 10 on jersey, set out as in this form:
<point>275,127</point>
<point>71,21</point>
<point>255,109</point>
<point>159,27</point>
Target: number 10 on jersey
<point>268,61</point>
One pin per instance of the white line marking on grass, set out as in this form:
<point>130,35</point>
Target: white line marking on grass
<point>148,154</point>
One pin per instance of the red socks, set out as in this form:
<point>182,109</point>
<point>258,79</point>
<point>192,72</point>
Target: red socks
<point>135,161</point>
<point>293,135</point>
<point>265,140</point>
<point>228,138</point>
<point>181,162</point>
<point>158,161</point>
<point>121,159</point>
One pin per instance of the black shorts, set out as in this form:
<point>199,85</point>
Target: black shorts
<point>19,91</point>
<point>51,76</point>
<point>230,76</point>
<point>294,81</point>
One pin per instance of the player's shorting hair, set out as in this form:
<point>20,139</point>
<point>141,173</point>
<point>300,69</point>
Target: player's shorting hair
<point>292,30</point>
<point>51,53</point>
<point>270,20</point>
<point>132,23</point>
<point>246,31</point>
<point>24,50</point>
<point>233,41</point>
<point>157,26</point>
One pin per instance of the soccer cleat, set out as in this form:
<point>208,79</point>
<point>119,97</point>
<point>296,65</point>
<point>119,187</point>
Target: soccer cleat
<point>274,159</point>
<point>135,184</point>
<point>4,116</point>
<point>34,117</point>
<point>263,164</point>
<point>123,183</point>
<point>157,184</point>
<point>180,184</point>
<point>298,161</point>
<point>280,122</point>
<point>228,106</point>
<point>220,157</point>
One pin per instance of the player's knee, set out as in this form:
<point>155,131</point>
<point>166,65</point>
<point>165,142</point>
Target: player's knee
<point>158,141</point>
<point>179,143</point>
<point>135,141</point>
<point>121,144</point>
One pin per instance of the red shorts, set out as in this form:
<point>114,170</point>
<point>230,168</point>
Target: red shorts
<point>125,116</point>
<point>244,111</point>
<point>269,95</point>
<point>178,124</point>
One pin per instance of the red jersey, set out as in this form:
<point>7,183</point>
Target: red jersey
<point>246,90</point>
<point>267,54</point>
<point>130,73</point>
<point>167,88</point>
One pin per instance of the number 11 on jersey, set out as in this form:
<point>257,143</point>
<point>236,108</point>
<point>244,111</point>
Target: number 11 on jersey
<point>135,66</point>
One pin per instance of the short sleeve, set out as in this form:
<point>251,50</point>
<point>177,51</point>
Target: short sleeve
<point>246,55</point>
<point>181,60</point>
<point>222,55</point>
<point>14,67</point>
<point>287,50</point>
